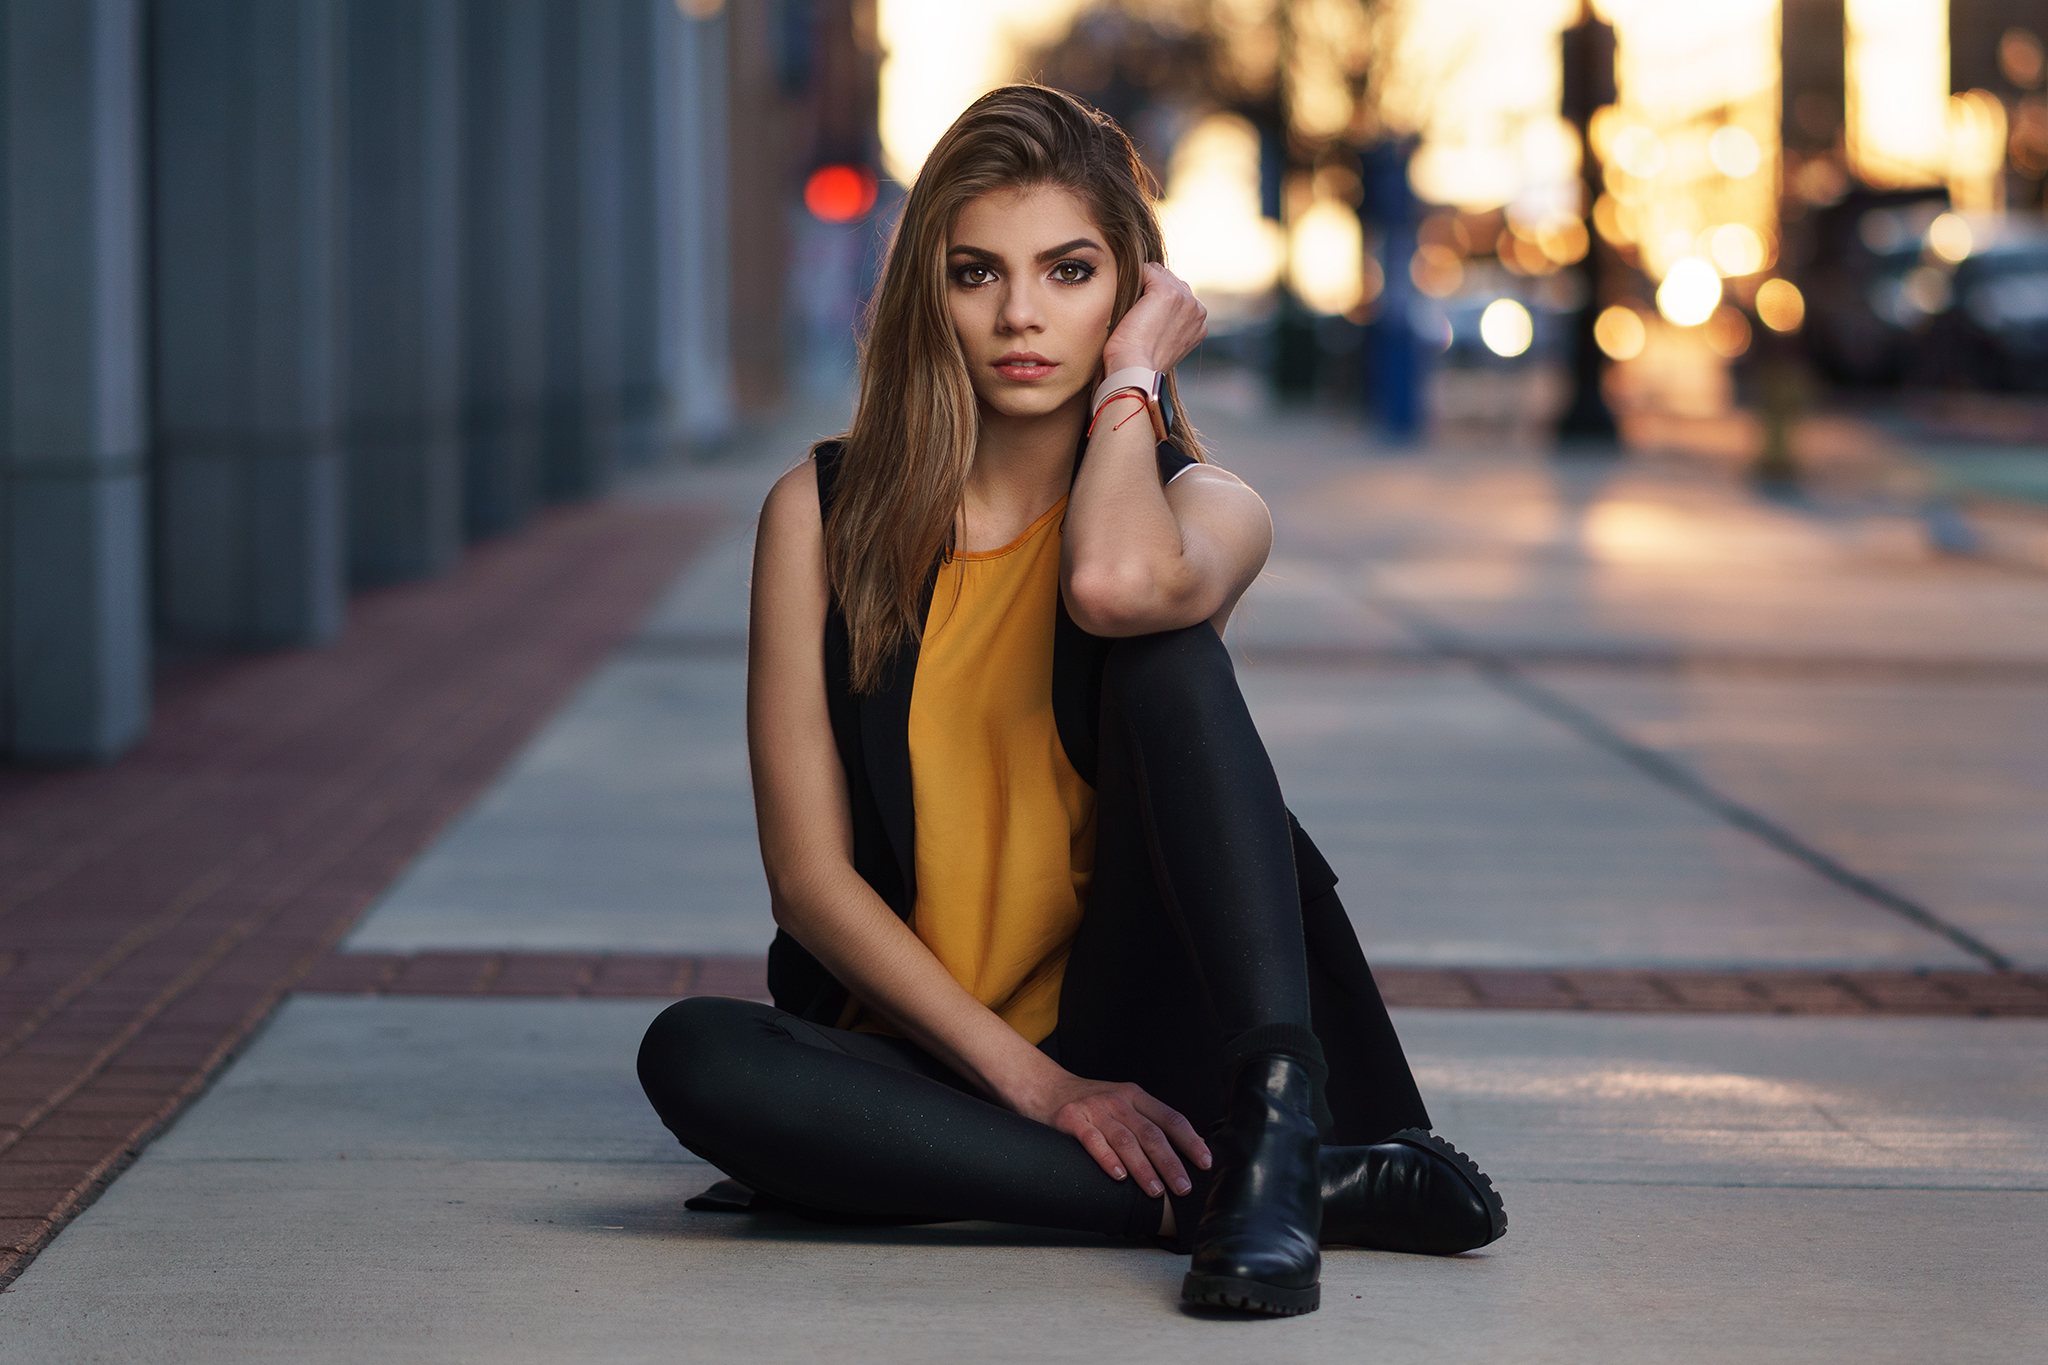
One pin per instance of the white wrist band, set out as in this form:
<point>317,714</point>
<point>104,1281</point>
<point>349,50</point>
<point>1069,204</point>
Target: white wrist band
<point>1136,377</point>
<point>1147,384</point>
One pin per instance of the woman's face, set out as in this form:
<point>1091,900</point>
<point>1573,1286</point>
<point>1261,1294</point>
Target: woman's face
<point>1031,285</point>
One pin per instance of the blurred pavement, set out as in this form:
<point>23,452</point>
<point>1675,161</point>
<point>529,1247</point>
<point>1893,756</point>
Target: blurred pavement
<point>1538,714</point>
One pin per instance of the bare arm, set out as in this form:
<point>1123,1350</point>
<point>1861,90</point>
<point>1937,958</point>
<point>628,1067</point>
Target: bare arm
<point>1139,558</point>
<point>816,894</point>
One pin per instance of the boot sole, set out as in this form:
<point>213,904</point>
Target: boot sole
<point>1482,1185</point>
<point>1249,1296</point>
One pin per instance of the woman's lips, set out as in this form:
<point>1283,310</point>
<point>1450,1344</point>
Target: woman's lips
<point>1025,367</point>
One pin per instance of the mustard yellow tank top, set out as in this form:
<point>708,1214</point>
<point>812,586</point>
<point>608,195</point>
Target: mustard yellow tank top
<point>1005,826</point>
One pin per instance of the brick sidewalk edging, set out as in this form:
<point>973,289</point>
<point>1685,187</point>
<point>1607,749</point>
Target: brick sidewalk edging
<point>153,911</point>
<point>649,976</point>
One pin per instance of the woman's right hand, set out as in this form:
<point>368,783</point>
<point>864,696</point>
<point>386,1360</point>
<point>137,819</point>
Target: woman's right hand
<point>1125,1130</point>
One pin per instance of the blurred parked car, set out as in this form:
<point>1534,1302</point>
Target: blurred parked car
<point>1903,291</point>
<point>2001,305</point>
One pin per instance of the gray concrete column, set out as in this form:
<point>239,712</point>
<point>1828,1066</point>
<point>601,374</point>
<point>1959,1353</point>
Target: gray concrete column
<point>690,329</point>
<point>643,391</point>
<point>247,137</point>
<point>505,257</point>
<point>584,271</point>
<point>403,288</point>
<point>74,643</point>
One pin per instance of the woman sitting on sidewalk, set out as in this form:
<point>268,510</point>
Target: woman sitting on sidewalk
<point>1045,921</point>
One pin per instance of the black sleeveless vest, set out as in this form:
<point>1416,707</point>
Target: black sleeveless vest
<point>872,732</point>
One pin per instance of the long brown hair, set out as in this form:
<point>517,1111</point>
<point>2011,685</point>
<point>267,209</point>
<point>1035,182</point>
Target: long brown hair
<point>906,458</point>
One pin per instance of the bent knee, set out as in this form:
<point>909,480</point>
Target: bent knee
<point>692,1060</point>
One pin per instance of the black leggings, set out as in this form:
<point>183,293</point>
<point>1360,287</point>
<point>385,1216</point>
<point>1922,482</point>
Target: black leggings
<point>1191,943</point>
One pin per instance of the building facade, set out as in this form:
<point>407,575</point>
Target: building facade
<point>300,296</point>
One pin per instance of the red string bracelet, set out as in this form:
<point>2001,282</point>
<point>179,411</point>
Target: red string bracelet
<point>1120,393</point>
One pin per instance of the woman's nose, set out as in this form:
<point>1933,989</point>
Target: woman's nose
<point>1021,310</point>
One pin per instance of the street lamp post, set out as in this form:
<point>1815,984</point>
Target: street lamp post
<point>1588,84</point>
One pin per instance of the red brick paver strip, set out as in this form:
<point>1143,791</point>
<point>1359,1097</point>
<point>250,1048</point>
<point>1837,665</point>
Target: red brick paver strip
<point>153,911</point>
<point>1982,994</point>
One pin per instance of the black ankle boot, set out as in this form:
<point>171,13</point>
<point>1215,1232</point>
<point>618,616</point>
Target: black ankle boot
<point>1256,1246</point>
<point>1413,1192</point>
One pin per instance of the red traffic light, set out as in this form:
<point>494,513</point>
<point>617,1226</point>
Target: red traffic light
<point>839,194</point>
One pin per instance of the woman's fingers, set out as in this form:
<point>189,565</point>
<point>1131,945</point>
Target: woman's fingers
<point>1178,1130</point>
<point>1082,1130</point>
<point>1165,324</point>
<point>1132,1135</point>
<point>1164,1160</point>
<point>1133,1152</point>
<point>1110,1133</point>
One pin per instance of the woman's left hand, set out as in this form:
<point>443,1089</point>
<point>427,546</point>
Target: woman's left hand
<point>1127,1131</point>
<point>1164,324</point>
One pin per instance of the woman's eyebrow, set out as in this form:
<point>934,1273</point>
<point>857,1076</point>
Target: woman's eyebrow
<point>1067,248</point>
<point>976,252</point>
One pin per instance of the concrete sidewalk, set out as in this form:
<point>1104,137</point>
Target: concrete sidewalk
<point>1539,715</point>
<point>417,1180</point>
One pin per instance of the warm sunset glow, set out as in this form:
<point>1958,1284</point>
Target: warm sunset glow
<point>941,56</point>
<point>1734,152</point>
<point>1215,238</point>
<point>1479,80</point>
<point>1976,151</point>
<point>1691,147</point>
<point>1897,91</point>
<point>1332,46</point>
<point>1326,257</point>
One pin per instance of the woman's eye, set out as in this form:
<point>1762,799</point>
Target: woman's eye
<point>975,274</point>
<point>1072,272</point>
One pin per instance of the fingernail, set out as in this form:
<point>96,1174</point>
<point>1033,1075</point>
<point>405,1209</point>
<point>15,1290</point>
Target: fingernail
<point>1117,1171</point>
<point>1182,1188</point>
<point>1205,1161</point>
<point>1155,1189</point>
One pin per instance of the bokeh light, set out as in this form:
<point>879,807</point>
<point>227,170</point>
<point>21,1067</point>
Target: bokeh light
<point>1727,332</point>
<point>1216,239</point>
<point>1326,257</point>
<point>1950,238</point>
<point>1506,328</point>
<point>1977,138</point>
<point>2020,57</point>
<point>943,55</point>
<point>1691,142</point>
<point>1638,151</point>
<point>1437,270</point>
<point>1460,75</point>
<point>1926,289</point>
<point>1619,332</point>
<point>1565,242</point>
<point>1780,306</point>
<point>1690,292</point>
<point>1897,91</point>
<point>839,194</point>
<point>1734,152</point>
<point>1736,249</point>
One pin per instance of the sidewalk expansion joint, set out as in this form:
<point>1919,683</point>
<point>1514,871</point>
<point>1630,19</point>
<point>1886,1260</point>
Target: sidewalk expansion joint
<point>1500,671</point>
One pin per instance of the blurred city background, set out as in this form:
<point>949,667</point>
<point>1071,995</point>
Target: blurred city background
<point>1652,401</point>
<point>306,296</point>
